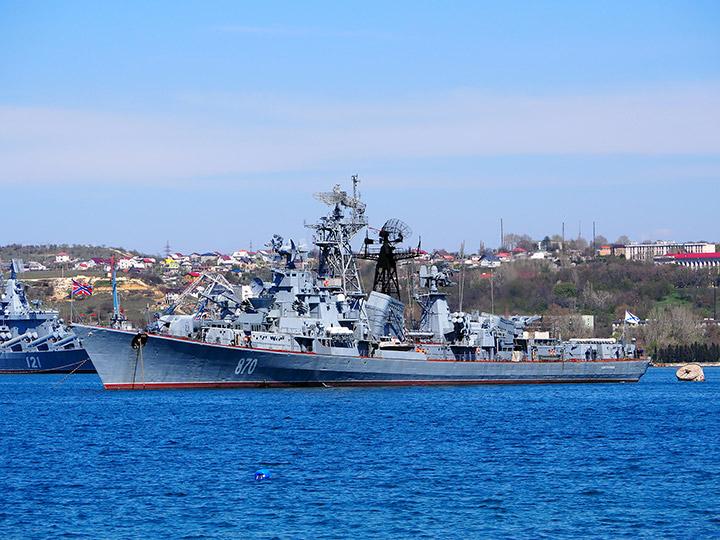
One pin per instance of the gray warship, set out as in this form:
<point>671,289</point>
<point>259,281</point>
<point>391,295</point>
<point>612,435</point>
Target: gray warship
<point>307,328</point>
<point>33,340</point>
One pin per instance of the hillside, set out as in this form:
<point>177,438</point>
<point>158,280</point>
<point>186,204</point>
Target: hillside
<point>46,253</point>
<point>603,288</point>
<point>136,293</point>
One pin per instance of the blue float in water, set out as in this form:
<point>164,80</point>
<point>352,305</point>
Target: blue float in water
<point>262,474</point>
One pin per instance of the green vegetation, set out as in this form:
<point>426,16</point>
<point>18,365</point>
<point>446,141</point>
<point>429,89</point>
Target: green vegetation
<point>686,354</point>
<point>565,290</point>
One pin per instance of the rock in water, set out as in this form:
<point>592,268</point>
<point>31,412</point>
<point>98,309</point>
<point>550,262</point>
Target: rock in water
<point>690,372</point>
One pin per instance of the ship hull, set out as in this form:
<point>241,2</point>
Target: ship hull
<point>57,361</point>
<point>169,362</point>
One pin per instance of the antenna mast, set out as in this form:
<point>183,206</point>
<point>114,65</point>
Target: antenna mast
<point>389,237</point>
<point>333,234</point>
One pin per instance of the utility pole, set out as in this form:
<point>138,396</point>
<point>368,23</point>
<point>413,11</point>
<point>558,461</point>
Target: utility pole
<point>502,235</point>
<point>462,273</point>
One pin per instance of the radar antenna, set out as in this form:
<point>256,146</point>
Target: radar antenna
<point>339,197</point>
<point>290,252</point>
<point>433,278</point>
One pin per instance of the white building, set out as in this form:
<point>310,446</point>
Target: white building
<point>646,252</point>
<point>241,254</point>
<point>62,257</point>
<point>33,266</point>
<point>124,263</point>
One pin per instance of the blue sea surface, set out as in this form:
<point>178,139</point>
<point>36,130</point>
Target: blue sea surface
<point>538,461</point>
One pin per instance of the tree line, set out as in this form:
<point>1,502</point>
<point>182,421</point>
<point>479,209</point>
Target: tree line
<point>685,354</point>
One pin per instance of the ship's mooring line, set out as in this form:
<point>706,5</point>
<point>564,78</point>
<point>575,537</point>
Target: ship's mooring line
<point>137,353</point>
<point>142,367</point>
<point>50,370</point>
<point>73,371</point>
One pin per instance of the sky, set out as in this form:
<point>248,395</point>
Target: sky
<point>208,126</point>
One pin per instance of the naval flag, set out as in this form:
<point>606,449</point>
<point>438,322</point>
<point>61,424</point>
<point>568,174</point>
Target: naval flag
<point>630,318</point>
<point>81,288</point>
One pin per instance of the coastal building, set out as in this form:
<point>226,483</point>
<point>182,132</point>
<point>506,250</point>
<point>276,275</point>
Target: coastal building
<point>242,254</point>
<point>604,251</point>
<point>210,257</point>
<point>617,250</point>
<point>123,263</point>
<point>647,252</point>
<point>691,260</point>
<point>171,264</point>
<point>443,255</point>
<point>34,266</point>
<point>489,260</point>
<point>62,257</point>
<point>569,326</point>
<point>225,261</point>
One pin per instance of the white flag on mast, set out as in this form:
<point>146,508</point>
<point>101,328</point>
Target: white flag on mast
<point>630,318</point>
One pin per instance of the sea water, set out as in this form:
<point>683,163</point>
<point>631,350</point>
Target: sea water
<point>538,461</point>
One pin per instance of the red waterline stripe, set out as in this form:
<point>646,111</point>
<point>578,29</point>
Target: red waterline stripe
<point>167,386</point>
<point>535,362</point>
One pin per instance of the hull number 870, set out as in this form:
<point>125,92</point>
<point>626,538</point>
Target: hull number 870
<point>246,365</point>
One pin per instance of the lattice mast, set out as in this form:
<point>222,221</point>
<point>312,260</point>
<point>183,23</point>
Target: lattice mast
<point>333,234</point>
<point>389,237</point>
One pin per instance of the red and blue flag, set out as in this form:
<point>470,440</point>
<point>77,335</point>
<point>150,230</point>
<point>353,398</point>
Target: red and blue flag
<point>81,288</point>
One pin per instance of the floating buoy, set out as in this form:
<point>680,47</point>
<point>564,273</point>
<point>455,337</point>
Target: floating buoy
<point>262,474</point>
<point>690,372</point>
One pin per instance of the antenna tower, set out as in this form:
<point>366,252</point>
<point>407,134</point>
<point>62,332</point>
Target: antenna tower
<point>333,234</point>
<point>392,233</point>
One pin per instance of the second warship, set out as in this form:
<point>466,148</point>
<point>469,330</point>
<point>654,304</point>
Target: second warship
<point>34,340</point>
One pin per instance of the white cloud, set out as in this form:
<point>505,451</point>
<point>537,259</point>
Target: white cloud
<point>219,135</point>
